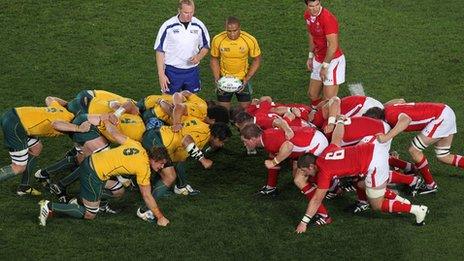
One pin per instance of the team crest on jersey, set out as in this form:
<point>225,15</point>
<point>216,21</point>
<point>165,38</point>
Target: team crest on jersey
<point>176,31</point>
<point>242,49</point>
<point>225,49</point>
<point>195,31</point>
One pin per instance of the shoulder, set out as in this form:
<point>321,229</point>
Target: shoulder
<point>248,37</point>
<point>220,36</point>
<point>196,21</point>
<point>327,16</point>
<point>170,22</point>
<point>306,14</point>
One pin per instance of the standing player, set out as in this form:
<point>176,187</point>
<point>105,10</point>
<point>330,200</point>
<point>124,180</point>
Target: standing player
<point>369,159</point>
<point>437,125</point>
<point>229,57</point>
<point>325,58</point>
<point>180,45</point>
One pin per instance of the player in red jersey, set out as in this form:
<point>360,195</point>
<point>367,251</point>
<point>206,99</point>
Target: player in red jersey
<point>325,58</point>
<point>274,141</point>
<point>437,125</point>
<point>369,159</point>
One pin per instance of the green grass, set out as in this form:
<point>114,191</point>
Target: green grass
<point>410,49</point>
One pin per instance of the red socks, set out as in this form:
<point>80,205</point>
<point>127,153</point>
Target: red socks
<point>458,161</point>
<point>423,167</point>
<point>272,175</point>
<point>392,206</point>
<point>398,178</point>
<point>309,191</point>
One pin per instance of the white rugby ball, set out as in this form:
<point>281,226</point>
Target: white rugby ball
<point>229,84</point>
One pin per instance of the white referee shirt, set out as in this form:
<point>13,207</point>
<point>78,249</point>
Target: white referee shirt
<point>180,44</point>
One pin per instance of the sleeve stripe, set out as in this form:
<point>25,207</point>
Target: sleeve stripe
<point>203,36</point>
<point>163,37</point>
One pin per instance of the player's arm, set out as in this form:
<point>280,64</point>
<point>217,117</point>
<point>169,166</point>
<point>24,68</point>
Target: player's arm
<point>215,68</point>
<point>253,69</point>
<point>284,151</point>
<point>64,126</point>
<point>395,101</point>
<point>199,56</point>
<point>114,132</point>
<point>150,202</point>
<point>332,45</point>
<point>339,131</point>
<point>311,210</point>
<point>283,125</point>
<point>163,79</point>
<point>403,122</point>
<point>51,99</point>
<point>177,113</point>
<point>309,62</point>
<point>195,152</point>
<point>332,109</point>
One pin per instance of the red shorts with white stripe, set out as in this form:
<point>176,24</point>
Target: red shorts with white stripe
<point>379,170</point>
<point>443,126</point>
<point>335,73</point>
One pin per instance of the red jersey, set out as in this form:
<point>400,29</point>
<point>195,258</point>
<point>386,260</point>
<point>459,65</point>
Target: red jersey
<point>262,107</point>
<point>318,119</point>
<point>320,26</point>
<point>340,162</point>
<point>421,113</point>
<point>273,139</point>
<point>305,109</point>
<point>351,105</point>
<point>359,127</point>
<point>265,120</point>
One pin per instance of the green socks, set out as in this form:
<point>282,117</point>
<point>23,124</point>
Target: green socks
<point>181,180</point>
<point>73,210</point>
<point>6,173</point>
<point>31,162</point>
<point>159,189</point>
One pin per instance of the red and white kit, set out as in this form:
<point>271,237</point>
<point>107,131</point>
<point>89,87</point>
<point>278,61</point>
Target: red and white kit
<point>319,26</point>
<point>306,140</point>
<point>357,105</point>
<point>434,120</point>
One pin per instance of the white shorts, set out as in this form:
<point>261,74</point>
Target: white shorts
<point>379,170</point>
<point>442,127</point>
<point>318,143</point>
<point>335,73</point>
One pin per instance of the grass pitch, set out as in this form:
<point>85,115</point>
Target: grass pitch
<point>410,49</point>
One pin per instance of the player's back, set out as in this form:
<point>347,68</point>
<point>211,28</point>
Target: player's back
<point>421,113</point>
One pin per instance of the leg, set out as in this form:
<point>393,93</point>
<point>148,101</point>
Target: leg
<point>314,91</point>
<point>330,91</point>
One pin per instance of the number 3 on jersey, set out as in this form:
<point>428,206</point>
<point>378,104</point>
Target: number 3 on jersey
<point>335,155</point>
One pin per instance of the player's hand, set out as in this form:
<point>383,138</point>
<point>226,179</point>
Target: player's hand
<point>207,163</point>
<point>109,117</point>
<point>382,138</point>
<point>84,127</point>
<point>309,64</point>
<point>177,127</point>
<point>195,59</point>
<point>296,112</point>
<point>301,228</point>
<point>164,83</point>
<point>269,164</point>
<point>323,73</point>
<point>162,221</point>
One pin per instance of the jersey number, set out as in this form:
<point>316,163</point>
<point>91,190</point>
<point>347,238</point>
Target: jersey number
<point>130,151</point>
<point>336,155</point>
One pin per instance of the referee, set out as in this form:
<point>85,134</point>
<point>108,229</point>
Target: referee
<point>181,43</point>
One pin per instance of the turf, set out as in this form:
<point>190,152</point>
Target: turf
<point>410,49</point>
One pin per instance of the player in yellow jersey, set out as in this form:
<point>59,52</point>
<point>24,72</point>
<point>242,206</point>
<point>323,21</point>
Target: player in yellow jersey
<point>230,51</point>
<point>130,158</point>
<point>21,128</point>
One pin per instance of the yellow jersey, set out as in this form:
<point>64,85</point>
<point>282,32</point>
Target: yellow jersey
<point>130,125</point>
<point>233,54</point>
<point>129,158</point>
<point>196,107</point>
<point>198,130</point>
<point>37,121</point>
<point>100,104</point>
<point>152,100</point>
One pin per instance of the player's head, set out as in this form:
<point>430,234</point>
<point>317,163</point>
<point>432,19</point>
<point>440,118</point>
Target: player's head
<point>234,111</point>
<point>314,6</point>
<point>158,157</point>
<point>307,164</point>
<point>242,119</point>
<point>233,28</point>
<point>251,135</point>
<point>217,113</point>
<point>186,10</point>
<point>220,132</point>
<point>376,113</point>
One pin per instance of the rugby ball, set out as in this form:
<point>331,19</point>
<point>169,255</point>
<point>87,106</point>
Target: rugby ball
<point>229,84</point>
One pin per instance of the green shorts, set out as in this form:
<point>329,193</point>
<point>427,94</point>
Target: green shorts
<point>91,184</point>
<point>82,137</point>
<point>15,136</point>
<point>243,96</point>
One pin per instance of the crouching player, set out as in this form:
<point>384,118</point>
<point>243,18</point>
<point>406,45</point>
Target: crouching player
<point>129,158</point>
<point>369,159</point>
